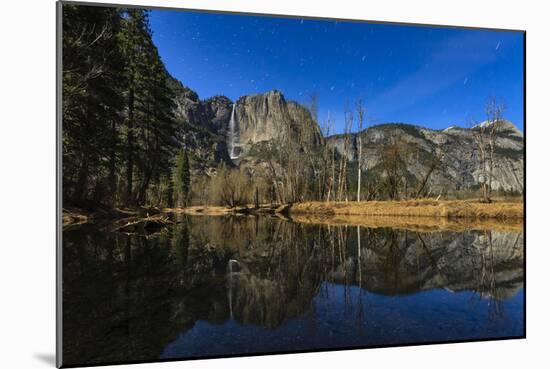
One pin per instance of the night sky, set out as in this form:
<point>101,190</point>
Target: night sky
<point>433,77</point>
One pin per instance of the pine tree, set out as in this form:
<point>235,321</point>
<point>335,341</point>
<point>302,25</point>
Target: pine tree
<point>150,124</point>
<point>92,101</point>
<point>186,179</point>
<point>133,37</point>
<point>182,178</point>
<point>118,124</point>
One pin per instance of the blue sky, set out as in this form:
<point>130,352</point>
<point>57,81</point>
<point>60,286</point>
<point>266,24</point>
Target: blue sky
<point>430,76</point>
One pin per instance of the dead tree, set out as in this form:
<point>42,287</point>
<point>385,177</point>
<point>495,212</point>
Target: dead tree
<point>343,172</point>
<point>494,112</point>
<point>485,135</point>
<point>437,157</point>
<point>480,138</point>
<point>328,160</point>
<point>393,165</point>
<point>360,117</point>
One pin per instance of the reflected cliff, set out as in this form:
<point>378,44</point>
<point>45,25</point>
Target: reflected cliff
<point>226,285</point>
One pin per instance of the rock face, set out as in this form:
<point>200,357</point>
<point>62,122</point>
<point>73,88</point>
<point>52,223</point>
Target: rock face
<point>259,119</point>
<point>269,119</point>
<point>391,262</point>
<point>201,126</point>
<point>455,261</point>
<point>459,168</point>
<point>189,109</point>
<point>218,113</point>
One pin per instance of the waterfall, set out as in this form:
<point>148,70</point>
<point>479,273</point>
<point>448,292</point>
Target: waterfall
<point>230,294</point>
<point>230,265</point>
<point>232,135</point>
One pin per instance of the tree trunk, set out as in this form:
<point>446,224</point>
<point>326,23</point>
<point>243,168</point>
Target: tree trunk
<point>359,168</point>
<point>130,148</point>
<point>82,179</point>
<point>112,167</point>
<point>491,166</point>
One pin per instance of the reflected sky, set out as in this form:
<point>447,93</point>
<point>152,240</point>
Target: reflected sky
<point>341,316</point>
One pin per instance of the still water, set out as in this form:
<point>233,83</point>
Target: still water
<point>212,286</point>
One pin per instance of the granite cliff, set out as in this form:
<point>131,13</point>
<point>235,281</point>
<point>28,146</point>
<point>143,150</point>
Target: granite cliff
<point>458,168</point>
<point>269,120</point>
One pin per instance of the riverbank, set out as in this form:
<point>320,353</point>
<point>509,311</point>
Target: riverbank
<point>426,215</point>
<point>411,223</point>
<point>73,216</point>
<point>214,210</point>
<point>450,209</point>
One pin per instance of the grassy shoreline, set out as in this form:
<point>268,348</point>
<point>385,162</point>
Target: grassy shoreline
<point>450,209</point>
<point>427,215</point>
<point>416,215</point>
<point>411,223</point>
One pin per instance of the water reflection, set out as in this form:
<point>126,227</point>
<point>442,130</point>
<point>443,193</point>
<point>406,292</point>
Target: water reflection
<point>228,285</point>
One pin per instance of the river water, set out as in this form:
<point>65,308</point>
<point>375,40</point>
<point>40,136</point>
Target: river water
<point>215,286</point>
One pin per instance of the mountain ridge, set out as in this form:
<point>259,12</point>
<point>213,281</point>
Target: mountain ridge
<point>270,119</point>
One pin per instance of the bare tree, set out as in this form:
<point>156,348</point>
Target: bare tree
<point>292,161</point>
<point>494,111</point>
<point>327,180</point>
<point>231,186</point>
<point>480,137</point>
<point>437,157</point>
<point>485,135</point>
<point>314,154</point>
<point>360,117</point>
<point>343,169</point>
<point>329,158</point>
<point>393,164</point>
<point>199,188</point>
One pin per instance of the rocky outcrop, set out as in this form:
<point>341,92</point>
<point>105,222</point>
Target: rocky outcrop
<point>490,262</point>
<point>189,109</point>
<point>218,113</point>
<point>459,168</point>
<point>200,126</point>
<point>269,120</point>
<point>269,117</point>
<point>259,119</point>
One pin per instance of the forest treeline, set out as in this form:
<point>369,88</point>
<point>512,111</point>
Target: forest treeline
<point>120,135</point>
<point>119,131</point>
<point>122,146</point>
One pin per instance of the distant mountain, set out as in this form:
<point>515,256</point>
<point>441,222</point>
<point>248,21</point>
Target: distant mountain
<point>459,168</point>
<point>268,119</point>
